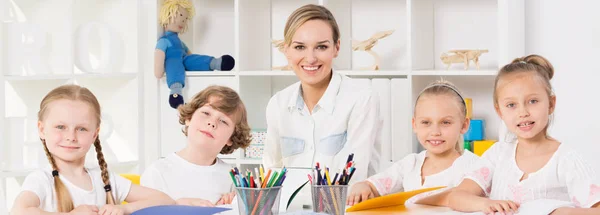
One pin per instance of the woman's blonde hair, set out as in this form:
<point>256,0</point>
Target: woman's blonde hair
<point>442,87</point>
<point>229,102</point>
<point>537,65</point>
<point>169,11</point>
<point>306,13</point>
<point>75,93</point>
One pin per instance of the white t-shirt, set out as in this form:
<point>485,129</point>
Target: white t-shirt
<point>405,175</point>
<point>41,183</point>
<point>179,178</point>
<point>566,177</point>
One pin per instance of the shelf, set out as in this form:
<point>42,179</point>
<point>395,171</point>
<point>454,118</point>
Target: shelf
<point>443,72</point>
<point>377,73</point>
<point>209,73</point>
<point>244,161</point>
<point>359,25</point>
<point>250,161</point>
<point>440,26</point>
<point>36,77</point>
<point>15,173</point>
<point>107,75</point>
<point>254,161</point>
<point>69,76</point>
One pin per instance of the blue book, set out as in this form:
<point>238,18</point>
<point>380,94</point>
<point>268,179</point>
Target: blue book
<point>180,210</point>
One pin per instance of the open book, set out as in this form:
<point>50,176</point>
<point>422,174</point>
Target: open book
<point>388,200</point>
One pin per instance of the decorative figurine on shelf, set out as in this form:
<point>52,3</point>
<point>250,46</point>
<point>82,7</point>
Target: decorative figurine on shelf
<point>462,56</point>
<point>173,57</point>
<point>280,45</point>
<point>366,46</point>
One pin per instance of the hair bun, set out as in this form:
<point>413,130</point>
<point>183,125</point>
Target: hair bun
<point>541,62</point>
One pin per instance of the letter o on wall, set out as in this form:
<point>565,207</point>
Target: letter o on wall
<point>111,46</point>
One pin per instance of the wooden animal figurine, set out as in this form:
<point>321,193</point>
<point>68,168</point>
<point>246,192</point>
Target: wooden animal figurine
<point>280,46</point>
<point>366,46</point>
<point>462,56</point>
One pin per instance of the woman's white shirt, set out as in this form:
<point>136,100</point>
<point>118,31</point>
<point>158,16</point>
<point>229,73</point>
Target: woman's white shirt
<point>344,121</point>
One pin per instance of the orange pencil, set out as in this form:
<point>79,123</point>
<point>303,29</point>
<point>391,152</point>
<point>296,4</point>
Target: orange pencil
<point>266,179</point>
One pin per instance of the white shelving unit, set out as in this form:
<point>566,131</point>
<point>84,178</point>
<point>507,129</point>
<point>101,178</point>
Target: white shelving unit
<point>145,128</point>
<point>423,29</point>
<point>46,44</point>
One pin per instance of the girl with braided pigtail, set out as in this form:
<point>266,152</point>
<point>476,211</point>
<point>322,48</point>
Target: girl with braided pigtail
<point>69,123</point>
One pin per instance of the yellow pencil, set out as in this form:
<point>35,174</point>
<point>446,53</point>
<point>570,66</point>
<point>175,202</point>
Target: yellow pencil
<point>262,173</point>
<point>332,193</point>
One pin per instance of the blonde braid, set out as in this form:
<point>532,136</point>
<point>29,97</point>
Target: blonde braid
<point>64,203</point>
<point>105,175</point>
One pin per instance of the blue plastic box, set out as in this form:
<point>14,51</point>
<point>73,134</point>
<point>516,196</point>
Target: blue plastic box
<point>476,130</point>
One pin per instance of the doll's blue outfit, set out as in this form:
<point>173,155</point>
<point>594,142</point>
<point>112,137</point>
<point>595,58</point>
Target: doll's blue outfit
<point>177,61</point>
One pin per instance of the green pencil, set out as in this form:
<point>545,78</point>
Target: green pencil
<point>280,176</point>
<point>273,178</point>
<point>233,178</point>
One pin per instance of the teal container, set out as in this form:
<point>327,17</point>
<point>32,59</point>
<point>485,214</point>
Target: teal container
<point>476,130</point>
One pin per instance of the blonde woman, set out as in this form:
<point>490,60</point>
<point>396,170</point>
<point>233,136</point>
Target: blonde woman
<point>325,116</point>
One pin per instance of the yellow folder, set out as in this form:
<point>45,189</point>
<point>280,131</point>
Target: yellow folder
<point>395,199</point>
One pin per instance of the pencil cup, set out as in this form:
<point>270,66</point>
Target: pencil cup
<point>258,201</point>
<point>329,199</point>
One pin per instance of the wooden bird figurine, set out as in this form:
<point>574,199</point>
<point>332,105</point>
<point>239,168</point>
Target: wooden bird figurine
<point>366,46</point>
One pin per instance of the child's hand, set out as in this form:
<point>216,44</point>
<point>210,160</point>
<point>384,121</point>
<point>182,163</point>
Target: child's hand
<point>194,202</point>
<point>500,206</point>
<point>111,210</point>
<point>361,191</point>
<point>85,210</point>
<point>226,199</point>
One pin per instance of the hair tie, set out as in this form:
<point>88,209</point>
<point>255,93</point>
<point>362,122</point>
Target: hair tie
<point>523,62</point>
<point>107,188</point>
<point>54,173</point>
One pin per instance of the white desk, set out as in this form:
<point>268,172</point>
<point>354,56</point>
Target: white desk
<point>410,210</point>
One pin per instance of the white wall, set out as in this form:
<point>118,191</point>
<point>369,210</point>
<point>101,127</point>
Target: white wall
<point>568,34</point>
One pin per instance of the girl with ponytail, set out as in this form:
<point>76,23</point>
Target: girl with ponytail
<point>532,166</point>
<point>68,125</point>
<point>439,122</point>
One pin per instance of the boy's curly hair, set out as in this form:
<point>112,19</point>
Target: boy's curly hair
<point>229,103</point>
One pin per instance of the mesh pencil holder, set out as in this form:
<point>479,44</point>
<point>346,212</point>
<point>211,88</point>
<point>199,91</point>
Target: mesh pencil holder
<point>258,201</point>
<point>330,199</point>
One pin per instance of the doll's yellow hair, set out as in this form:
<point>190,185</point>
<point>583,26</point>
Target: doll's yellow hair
<point>168,11</point>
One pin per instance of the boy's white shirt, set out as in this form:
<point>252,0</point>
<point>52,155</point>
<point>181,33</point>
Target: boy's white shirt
<point>179,178</point>
<point>344,121</point>
<point>41,183</point>
<point>405,175</point>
